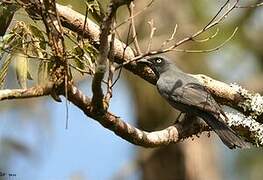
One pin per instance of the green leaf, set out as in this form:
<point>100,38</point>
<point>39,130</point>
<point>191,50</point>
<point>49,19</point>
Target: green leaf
<point>94,7</point>
<point>92,52</point>
<point>78,51</point>
<point>11,41</point>
<point>21,66</point>
<point>37,33</point>
<point>4,69</point>
<point>79,63</point>
<point>7,39</point>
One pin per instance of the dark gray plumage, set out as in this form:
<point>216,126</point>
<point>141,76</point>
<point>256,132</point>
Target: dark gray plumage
<point>186,94</point>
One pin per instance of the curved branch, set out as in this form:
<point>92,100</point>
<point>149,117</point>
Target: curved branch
<point>172,134</point>
<point>191,125</point>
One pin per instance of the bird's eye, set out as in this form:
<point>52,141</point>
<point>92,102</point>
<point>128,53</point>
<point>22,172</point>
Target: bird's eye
<point>158,61</point>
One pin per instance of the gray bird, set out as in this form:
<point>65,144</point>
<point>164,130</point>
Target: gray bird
<point>188,95</point>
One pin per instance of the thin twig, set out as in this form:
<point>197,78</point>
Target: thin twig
<point>108,95</point>
<point>190,38</point>
<point>86,72</point>
<point>209,50</point>
<point>135,15</point>
<point>153,29</point>
<point>85,22</point>
<point>191,51</point>
<point>171,37</point>
<point>90,69</point>
<point>220,10</point>
<point>124,49</point>
<point>134,33</point>
<point>251,6</point>
<point>208,38</point>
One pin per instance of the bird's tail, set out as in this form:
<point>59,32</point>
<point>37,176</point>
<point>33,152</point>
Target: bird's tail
<point>225,133</point>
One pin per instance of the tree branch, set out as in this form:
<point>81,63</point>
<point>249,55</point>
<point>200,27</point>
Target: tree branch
<point>98,96</point>
<point>172,134</point>
<point>36,91</point>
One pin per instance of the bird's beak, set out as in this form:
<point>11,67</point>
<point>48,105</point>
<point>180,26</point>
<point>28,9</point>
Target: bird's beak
<point>144,61</point>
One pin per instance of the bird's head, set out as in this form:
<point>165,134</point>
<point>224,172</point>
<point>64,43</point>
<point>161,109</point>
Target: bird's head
<point>158,64</point>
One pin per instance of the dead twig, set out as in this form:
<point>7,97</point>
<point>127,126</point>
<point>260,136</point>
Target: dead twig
<point>171,37</point>
<point>212,49</point>
<point>153,29</point>
<point>251,6</point>
<point>212,23</point>
<point>134,33</point>
<point>208,38</point>
<point>135,15</point>
<point>108,95</point>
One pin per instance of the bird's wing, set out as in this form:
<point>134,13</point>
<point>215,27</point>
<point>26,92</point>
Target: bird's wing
<point>196,96</point>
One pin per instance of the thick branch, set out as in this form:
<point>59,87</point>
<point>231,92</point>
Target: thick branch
<point>26,93</point>
<point>235,96</point>
<point>126,131</point>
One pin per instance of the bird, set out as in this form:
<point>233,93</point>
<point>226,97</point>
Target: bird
<point>186,94</point>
